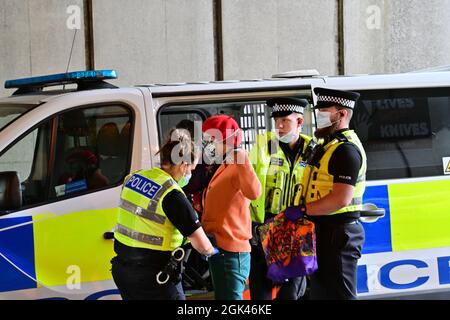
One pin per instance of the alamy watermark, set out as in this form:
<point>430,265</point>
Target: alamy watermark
<point>373,20</point>
<point>73,21</point>
<point>73,281</point>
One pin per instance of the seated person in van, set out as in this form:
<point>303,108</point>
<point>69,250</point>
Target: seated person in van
<point>83,168</point>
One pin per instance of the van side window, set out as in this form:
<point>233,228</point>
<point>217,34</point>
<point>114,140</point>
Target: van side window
<point>405,132</point>
<point>78,151</point>
<point>253,117</point>
<point>92,148</point>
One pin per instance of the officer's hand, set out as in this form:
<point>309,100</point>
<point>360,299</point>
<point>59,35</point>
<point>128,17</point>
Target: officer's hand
<point>214,252</point>
<point>293,213</point>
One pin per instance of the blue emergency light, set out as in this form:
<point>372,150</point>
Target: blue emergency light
<point>61,78</point>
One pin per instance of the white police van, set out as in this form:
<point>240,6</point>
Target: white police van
<point>64,154</point>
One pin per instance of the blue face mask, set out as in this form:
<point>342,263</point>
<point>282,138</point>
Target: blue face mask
<point>184,181</point>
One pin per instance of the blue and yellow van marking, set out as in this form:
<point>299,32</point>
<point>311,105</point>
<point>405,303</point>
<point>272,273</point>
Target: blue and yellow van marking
<point>46,246</point>
<point>417,216</point>
<point>17,245</point>
<point>378,234</point>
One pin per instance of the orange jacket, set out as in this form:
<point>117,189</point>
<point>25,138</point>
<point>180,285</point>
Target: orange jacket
<point>226,204</point>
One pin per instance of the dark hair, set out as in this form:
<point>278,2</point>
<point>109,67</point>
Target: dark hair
<point>179,148</point>
<point>187,125</point>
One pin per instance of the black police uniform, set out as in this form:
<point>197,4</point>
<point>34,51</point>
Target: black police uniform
<point>339,237</point>
<point>134,270</point>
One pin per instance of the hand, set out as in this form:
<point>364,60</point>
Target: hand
<point>214,252</point>
<point>294,213</point>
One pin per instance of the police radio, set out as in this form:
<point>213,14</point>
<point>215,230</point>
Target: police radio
<point>313,153</point>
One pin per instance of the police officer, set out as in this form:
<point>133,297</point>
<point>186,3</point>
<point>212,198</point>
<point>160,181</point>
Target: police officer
<point>334,197</point>
<point>154,218</point>
<point>277,159</point>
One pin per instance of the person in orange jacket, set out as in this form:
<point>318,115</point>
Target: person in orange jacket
<point>226,204</point>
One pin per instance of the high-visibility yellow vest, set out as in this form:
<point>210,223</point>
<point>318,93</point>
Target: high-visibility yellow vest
<point>320,182</point>
<point>279,183</point>
<point>141,221</point>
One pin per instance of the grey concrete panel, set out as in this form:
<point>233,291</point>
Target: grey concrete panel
<point>14,41</point>
<point>261,38</point>
<point>384,36</point>
<point>154,41</point>
<point>35,39</point>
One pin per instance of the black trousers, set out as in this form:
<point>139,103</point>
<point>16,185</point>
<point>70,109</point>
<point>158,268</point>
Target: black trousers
<point>137,281</point>
<point>261,286</point>
<point>339,247</point>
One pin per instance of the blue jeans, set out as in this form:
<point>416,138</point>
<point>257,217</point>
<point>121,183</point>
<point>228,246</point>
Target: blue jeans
<point>229,273</point>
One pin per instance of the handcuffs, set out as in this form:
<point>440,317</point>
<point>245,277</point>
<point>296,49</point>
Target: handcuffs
<point>171,267</point>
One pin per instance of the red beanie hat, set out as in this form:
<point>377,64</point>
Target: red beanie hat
<point>227,126</point>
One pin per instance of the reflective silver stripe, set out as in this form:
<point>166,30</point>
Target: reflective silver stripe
<point>356,201</point>
<point>144,213</point>
<point>138,236</point>
<point>153,204</point>
<point>361,179</point>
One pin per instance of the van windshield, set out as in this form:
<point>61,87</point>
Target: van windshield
<point>9,112</point>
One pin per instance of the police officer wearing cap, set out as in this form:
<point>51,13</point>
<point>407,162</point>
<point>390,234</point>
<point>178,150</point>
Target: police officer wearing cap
<point>334,197</point>
<point>278,162</point>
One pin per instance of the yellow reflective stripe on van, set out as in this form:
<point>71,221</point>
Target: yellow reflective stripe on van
<point>419,215</point>
<point>66,243</point>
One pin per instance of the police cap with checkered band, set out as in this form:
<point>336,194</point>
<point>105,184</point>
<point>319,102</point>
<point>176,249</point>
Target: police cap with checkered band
<point>331,97</point>
<point>284,106</point>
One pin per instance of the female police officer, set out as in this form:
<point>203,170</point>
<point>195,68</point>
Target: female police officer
<point>154,218</point>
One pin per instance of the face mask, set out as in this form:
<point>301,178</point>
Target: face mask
<point>288,138</point>
<point>323,119</point>
<point>209,150</point>
<point>184,181</point>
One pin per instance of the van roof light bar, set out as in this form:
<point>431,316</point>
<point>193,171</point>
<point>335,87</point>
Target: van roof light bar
<point>82,78</point>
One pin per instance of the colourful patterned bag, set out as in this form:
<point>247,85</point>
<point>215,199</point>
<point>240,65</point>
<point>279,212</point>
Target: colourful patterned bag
<point>289,247</point>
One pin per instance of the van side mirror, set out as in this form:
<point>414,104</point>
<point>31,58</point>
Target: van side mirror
<point>10,191</point>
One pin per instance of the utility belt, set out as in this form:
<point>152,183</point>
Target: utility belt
<point>336,219</point>
<point>167,265</point>
<point>139,256</point>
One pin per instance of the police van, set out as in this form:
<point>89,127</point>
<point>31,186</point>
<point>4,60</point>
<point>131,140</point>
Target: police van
<point>68,140</point>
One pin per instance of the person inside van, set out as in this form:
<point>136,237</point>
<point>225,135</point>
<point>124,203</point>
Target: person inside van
<point>226,203</point>
<point>154,220</point>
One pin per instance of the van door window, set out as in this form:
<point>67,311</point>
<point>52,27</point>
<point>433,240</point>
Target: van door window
<point>406,133</point>
<point>92,149</point>
<point>78,151</point>
<point>29,157</point>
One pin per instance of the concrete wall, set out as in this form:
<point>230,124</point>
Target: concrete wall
<point>385,36</point>
<point>35,39</point>
<point>155,41</point>
<point>261,38</point>
<point>174,40</point>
